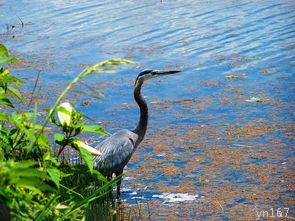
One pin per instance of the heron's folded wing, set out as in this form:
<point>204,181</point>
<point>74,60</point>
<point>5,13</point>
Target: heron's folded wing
<point>116,151</point>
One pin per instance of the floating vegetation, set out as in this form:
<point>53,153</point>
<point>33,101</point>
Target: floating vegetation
<point>267,71</point>
<point>233,76</point>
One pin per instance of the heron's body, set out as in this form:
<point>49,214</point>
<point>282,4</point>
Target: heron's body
<point>118,148</point>
<point>116,151</point>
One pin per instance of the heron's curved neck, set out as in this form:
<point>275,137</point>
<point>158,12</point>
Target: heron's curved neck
<point>143,120</point>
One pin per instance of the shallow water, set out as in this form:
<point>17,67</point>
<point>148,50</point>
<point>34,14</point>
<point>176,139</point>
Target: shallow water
<point>221,133</point>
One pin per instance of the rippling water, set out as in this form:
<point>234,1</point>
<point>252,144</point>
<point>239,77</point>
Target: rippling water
<point>209,142</point>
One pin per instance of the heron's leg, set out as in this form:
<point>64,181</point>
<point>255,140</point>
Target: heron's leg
<point>110,188</point>
<point>118,173</point>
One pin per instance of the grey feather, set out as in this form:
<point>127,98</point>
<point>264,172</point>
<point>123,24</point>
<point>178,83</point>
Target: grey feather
<point>116,151</point>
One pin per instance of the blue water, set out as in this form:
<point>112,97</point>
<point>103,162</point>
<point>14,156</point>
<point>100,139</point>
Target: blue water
<point>208,40</point>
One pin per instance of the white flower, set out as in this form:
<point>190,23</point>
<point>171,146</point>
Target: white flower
<point>64,113</point>
<point>90,149</point>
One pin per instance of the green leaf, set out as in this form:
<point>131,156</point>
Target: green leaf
<point>15,92</point>
<point>94,129</point>
<point>58,138</point>
<point>4,193</point>
<point>99,176</point>
<point>43,141</point>
<point>25,164</point>
<point>3,51</point>
<point>12,79</point>
<point>5,101</point>
<point>55,175</point>
<point>47,208</point>
<point>87,157</point>
<point>46,156</point>
<point>108,64</point>
<point>33,184</point>
<point>29,172</point>
<point>9,59</point>
<point>4,117</point>
<point>22,165</point>
<point>117,61</point>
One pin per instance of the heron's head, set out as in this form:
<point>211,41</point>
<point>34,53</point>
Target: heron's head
<point>148,74</point>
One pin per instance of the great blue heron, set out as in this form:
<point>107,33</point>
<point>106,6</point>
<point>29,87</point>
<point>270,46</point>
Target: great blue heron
<point>118,148</point>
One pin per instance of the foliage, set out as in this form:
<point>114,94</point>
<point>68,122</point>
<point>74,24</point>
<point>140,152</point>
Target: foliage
<point>34,185</point>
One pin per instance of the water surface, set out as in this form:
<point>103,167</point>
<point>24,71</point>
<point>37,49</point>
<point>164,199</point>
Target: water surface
<point>221,134</point>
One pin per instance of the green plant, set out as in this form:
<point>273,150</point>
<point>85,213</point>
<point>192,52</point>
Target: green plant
<point>33,184</point>
<point>28,173</point>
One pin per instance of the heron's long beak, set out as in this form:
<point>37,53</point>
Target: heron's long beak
<point>163,73</point>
